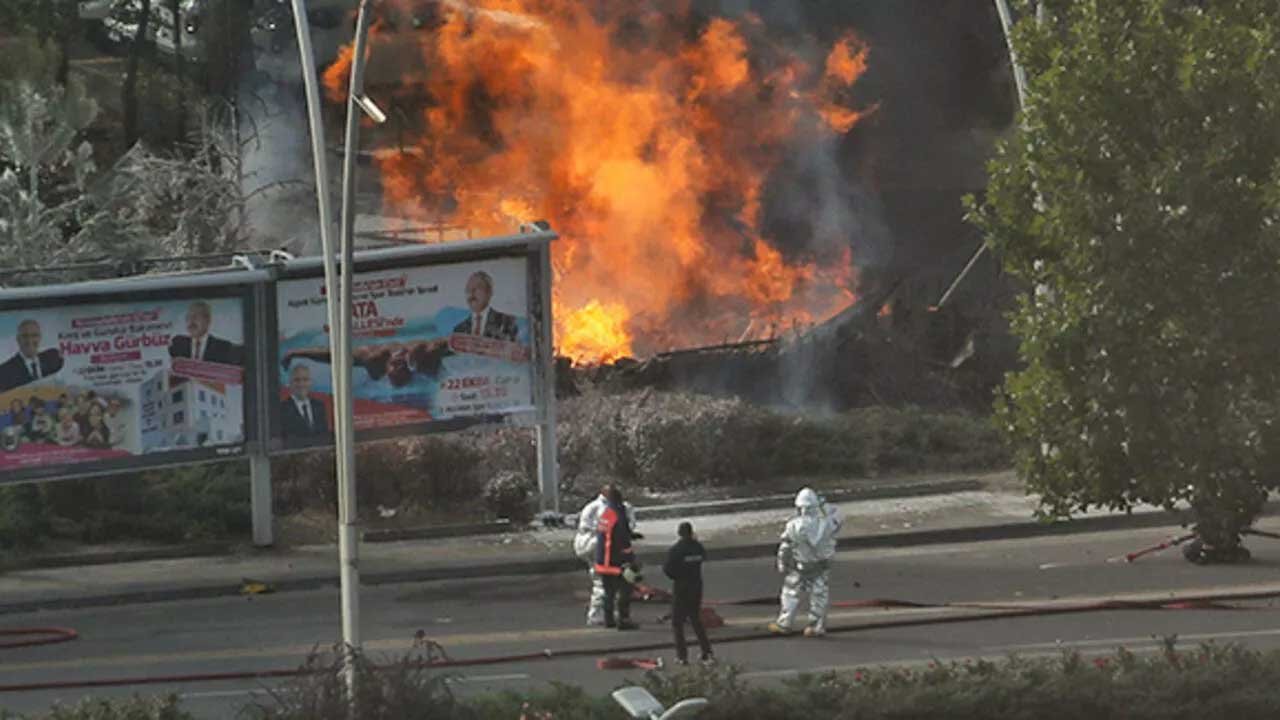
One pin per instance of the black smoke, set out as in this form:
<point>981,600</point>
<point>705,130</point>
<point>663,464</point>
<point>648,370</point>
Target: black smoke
<point>939,81</point>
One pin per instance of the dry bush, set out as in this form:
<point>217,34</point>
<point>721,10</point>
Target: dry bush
<point>509,494</point>
<point>653,442</point>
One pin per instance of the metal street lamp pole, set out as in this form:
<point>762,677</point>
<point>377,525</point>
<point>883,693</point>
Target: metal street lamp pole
<point>348,540</point>
<point>311,83</point>
<point>1019,75</point>
<point>1020,85</point>
<point>339,311</point>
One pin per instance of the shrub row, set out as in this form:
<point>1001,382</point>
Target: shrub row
<point>649,441</point>
<point>669,441</point>
<point>192,503</point>
<point>1210,682</point>
<point>644,441</point>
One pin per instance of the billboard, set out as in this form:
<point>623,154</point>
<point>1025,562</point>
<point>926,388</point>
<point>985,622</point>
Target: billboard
<point>430,344</point>
<point>89,387</point>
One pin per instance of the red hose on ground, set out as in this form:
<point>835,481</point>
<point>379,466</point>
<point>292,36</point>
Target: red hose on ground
<point>985,611</point>
<point>36,636</point>
<point>1172,542</point>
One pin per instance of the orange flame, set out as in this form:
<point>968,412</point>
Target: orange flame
<point>647,147</point>
<point>847,61</point>
<point>335,78</point>
<point>599,331</point>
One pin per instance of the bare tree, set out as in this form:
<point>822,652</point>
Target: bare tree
<point>187,202</point>
<point>44,171</point>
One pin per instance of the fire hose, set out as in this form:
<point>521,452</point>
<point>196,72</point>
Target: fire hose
<point>30,637</point>
<point>440,660</point>
<point>1174,542</point>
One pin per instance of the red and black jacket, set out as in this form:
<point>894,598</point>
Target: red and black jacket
<point>613,541</point>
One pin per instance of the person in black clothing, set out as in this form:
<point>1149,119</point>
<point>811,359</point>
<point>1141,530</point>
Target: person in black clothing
<point>684,567</point>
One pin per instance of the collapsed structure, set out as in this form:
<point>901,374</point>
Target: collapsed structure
<point>763,202</point>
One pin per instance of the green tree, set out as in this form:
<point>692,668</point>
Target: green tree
<point>55,21</point>
<point>1140,205</point>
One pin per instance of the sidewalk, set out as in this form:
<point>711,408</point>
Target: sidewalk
<point>991,511</point>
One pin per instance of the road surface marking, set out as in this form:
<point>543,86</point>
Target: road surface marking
<point>450,642</point>
<point>454,641</point>
<point>487,678</point>
<point>1126,641</point>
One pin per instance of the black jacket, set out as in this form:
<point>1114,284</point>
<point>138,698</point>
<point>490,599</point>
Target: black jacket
<point>216,350</point>
<point>684,567</point>
<point>15,373</point>
<point>497,325</point>
<point>293,424</point>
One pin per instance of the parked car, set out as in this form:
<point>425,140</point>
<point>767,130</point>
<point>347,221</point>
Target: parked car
<point>121,24</point>
<point>91,10</point>
<point>273,29</point>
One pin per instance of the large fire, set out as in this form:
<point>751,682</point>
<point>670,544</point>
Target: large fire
<point>647,138</point>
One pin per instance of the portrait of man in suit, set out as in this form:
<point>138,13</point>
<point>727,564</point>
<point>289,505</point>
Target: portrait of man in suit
<point>29,363</point>
<point>484,320</point>
<point>300,414</point>
<point>198,344</point>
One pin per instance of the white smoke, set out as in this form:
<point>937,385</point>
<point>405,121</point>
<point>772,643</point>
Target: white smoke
<point>279,178</point>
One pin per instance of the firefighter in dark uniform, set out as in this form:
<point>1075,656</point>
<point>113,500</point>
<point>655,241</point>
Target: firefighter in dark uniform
<point>615,561</point>
<point>684,567</point>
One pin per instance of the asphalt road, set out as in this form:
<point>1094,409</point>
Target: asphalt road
<point>496,617</point>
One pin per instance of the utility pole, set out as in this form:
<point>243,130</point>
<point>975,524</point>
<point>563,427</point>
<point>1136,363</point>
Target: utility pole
<point>1020,86</point>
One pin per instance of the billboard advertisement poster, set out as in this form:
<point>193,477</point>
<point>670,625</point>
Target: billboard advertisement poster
<point>429,343</point>
<point>106,383</point>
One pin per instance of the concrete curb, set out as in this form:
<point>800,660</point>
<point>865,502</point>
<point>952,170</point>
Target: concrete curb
<point>441,531</point>
<point>711,507</point>
<point>779,502</point>
<point>651,558</point>
<point>172,552</point>
<point>871,491</point>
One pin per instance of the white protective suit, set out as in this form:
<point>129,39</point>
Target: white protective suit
<point>584,546</point>
<point>804,557</point>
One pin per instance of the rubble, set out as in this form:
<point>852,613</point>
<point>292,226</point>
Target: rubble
<point>860,357</point>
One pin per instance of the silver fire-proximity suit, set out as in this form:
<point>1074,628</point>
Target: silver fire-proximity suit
<point>804,558</point>
<point>584,546</point>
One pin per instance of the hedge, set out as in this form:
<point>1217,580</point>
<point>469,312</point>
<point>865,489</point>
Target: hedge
<point>645,442</point>
<point>1211,681</point>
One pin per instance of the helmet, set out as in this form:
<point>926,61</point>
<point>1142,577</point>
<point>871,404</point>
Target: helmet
<point>807,498</point>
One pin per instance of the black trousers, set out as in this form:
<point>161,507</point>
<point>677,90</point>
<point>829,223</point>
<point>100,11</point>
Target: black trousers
<point>689,609</point>
<point>617,593</point>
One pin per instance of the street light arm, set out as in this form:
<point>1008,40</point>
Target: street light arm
<point>1020,86</point>
<point>1019,74</point>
